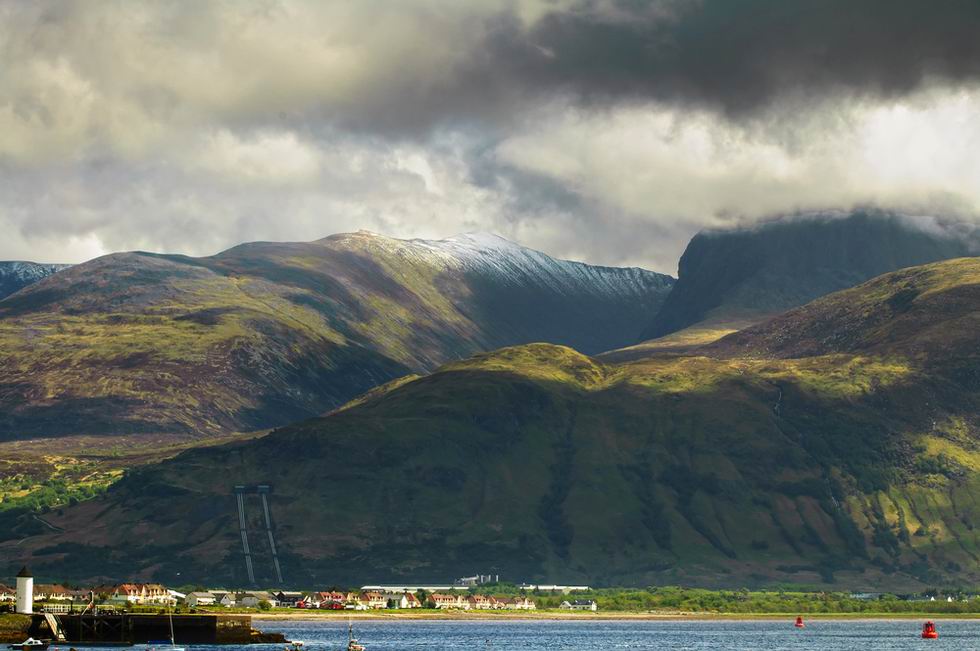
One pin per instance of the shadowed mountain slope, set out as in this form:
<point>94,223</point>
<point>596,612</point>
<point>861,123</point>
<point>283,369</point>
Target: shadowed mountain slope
<point>268,333</point>
<point>743,276</point>
<point>779,455</point>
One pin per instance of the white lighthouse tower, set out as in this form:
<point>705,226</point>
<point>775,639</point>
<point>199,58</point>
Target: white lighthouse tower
<point>25,591</point>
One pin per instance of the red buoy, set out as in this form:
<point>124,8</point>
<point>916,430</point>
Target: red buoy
<point>929,631</point>
<point>799,622</point>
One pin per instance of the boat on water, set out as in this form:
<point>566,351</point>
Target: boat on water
<point>352,643</point>
<point>166,645</point>
<point>30,644</point>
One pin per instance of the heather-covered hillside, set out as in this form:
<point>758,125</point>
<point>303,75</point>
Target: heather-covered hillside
<point>783,454</point>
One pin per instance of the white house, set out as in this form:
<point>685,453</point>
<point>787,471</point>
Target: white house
<point>397,600</point>
<point>50,592</point>
<point>224,599</point>
<point>7,594</point>
<point>253,599</point>
<point>196,599</point>
<point>126,593</point>
<point>580,604</point>
<point>442,601</point>
<point>156,594</point>
<point>515,603</point>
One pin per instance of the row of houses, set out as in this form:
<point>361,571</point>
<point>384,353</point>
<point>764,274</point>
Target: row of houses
<point>152,594</point>
<point>480,602</point>
<point>250,599</point>
<point>43,592</point>
<point>364,600</point>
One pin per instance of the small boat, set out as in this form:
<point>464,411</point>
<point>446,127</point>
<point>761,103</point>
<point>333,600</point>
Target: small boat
<point>352,643</point>
<point>30,644</point>
<point>170,645</point>
<point>799,622</point>
<point>929,631</point>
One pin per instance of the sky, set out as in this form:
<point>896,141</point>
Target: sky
<point>608,131</point>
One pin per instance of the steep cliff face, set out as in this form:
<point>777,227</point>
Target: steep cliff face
<point>745,275</point>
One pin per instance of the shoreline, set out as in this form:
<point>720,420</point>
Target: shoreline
<point>609,616</point>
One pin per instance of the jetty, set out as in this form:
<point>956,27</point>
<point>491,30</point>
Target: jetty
<point>123,629</point>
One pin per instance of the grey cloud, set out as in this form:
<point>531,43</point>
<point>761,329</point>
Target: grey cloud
<point>744,56</point>
<point>602,130</point>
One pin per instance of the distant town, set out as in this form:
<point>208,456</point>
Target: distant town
<point>461,594</point>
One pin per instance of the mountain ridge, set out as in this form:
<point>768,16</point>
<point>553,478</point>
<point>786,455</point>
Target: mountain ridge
<point>745,275</point>
<point>265,333</point>
<point>846,465</point>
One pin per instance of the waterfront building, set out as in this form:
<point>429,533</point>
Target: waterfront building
<point>580,604</point>
<point>7,594</point>
<point>253,599</point>
<point>196,599</point>
<point>442,601</point>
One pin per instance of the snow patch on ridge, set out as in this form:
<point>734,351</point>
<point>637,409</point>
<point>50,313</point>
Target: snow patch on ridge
<point>29,271</point>
<point>17,274</point>
<point>493,257</point>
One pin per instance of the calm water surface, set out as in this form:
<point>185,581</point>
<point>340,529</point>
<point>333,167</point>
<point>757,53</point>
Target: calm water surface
<point>589,635</point>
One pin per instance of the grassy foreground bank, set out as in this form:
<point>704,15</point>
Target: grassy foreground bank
<point>13,628</point>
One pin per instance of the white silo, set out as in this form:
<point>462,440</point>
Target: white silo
<point>25,591</point>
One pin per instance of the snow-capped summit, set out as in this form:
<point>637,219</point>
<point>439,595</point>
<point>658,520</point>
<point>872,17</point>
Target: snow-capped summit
<point>15,275</point>
<point>490,256</point>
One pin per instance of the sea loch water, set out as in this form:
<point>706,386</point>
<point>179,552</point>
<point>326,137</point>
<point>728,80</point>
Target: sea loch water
<point>509,635</point>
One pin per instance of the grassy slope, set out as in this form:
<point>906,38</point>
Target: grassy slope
<point>14,628</point>
<point>853,465</point>
<point>149,353</point>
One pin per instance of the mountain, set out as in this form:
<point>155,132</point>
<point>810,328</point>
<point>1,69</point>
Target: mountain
<point>16,275</point>
<point>837,445</point>
<point>929,313</point>
<point>267,333</point>
<point>728,279</point>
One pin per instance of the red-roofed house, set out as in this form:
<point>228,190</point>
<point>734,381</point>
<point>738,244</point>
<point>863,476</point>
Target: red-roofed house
<point>448,601</point>
<point>479,602</point>
<point>373,600</point>
<point>126,593</point>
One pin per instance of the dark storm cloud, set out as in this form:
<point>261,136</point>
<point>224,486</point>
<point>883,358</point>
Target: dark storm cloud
<point>735,56</point>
